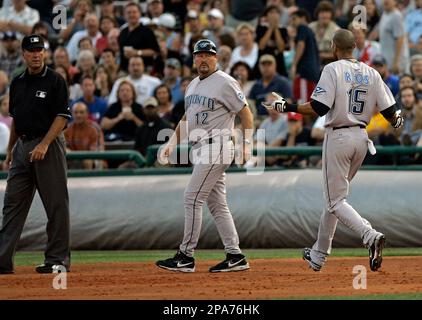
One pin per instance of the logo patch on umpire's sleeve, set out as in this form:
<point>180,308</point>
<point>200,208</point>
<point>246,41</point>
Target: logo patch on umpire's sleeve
<point>41,94</point>
<point>319,90</point>
<point>240,95</point>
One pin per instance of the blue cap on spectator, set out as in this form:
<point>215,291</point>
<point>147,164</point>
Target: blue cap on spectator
<point>173,62</point>
<point>379,60</point>
<point>9,35</point>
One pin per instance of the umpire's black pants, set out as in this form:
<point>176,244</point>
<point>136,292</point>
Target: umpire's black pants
<point>49,177</point>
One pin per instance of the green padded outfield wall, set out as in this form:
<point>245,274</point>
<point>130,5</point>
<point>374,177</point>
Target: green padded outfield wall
<point>273,210</point>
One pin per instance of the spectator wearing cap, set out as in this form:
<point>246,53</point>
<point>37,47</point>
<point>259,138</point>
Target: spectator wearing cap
<point>155,8</point>
<point>107,9</point>
<point>247,49</point>
<point>244,11</point>
<point>91,30</point>
<point>324,29</point>
<point>172,79</point>
<point>18,18</point>
<point>81,9</point>
<point>297,135</point>
<point>392,38</point>
<point>413,24</point>
<point>365,50</point>
<point>136,39</point>
<point>216,27</point>
<point>167,24</point>
<point>124,116</point>
<point>269,82</point>
<point>10,57</point>
<point>144,84</point>
<point>379,63</point>
<point>305,67</point>
<point>272,38</point>
<point>193,28</point>
<point>147,134</point>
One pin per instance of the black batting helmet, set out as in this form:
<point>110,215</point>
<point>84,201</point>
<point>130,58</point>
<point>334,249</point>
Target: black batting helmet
<point>205,45</point>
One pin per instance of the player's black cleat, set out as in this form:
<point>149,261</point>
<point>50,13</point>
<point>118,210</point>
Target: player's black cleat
<point>375,252</point>
<point>180,262</point>
<point>233,262</point>
<point>307,257</point>
<point>50,268</point>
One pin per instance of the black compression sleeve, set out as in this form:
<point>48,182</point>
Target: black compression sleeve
<point>390,111</point>
<point>320,108</point>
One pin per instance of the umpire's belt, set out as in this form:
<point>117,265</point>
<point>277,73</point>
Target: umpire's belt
<point>29,137</point>
<point>344,127</point>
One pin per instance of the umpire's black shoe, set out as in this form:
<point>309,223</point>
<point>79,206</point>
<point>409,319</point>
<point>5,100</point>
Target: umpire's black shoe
<point>233,262</point>
<point>375,252</point>
<point>50,268</point>
<point>180,262</point>
<point>3,271</point>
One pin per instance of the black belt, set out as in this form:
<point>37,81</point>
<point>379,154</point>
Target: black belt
<point>344,127</point>
<point>28,137</point>
<point>211,140</point>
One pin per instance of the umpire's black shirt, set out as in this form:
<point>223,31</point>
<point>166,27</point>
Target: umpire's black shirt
<point>36,100</point>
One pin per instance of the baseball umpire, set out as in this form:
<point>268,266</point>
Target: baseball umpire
<point>349,92</point>
<point>211,102</point>
<point>36,156</point>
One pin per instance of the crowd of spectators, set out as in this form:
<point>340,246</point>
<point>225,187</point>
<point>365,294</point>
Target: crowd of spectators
<point>127,64</point>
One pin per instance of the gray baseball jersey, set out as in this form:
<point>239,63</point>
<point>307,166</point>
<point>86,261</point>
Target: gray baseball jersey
<point>211,105</point>
<point>354,92</point>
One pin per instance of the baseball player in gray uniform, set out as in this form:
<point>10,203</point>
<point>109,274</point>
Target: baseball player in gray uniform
<point>212,101</point>
<point>349,93</point>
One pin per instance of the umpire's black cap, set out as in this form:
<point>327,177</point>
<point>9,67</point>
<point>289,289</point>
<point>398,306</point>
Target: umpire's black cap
<point>205,45</point>
<point>33,41</point>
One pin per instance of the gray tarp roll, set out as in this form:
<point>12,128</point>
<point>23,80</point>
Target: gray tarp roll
<point>276,209</point>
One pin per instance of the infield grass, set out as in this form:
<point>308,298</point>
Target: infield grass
<point>34,258</point>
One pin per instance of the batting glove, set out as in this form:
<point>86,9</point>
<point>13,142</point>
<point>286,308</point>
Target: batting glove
<point>399,120</point>
<point>279,105</point>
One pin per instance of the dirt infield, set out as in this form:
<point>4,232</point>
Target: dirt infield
<point>267,279</point>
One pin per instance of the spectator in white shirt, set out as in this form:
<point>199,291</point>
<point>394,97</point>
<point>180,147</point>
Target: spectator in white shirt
<point>19,18</point>
<point>144,84</point>
<point>92,31</point>
<point>247,49</point>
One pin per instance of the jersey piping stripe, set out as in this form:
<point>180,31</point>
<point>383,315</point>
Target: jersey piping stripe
<point>196,197</point>
<point>326,173</point>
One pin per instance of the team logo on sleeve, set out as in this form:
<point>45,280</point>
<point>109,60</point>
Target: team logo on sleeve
<point>318,90</point>
<point>41,94</point>
<point>240,95</point>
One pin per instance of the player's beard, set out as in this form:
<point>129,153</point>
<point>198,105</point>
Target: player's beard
<point>204,69</point>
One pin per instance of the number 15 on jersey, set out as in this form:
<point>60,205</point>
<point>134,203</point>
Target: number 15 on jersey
<point>356,100</point>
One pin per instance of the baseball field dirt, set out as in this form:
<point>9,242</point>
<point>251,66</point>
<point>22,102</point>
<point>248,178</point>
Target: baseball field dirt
<point>267,279</point>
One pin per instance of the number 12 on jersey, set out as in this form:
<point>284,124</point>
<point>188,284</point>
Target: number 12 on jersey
<point>201,118</point>
<point>356,100</point>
